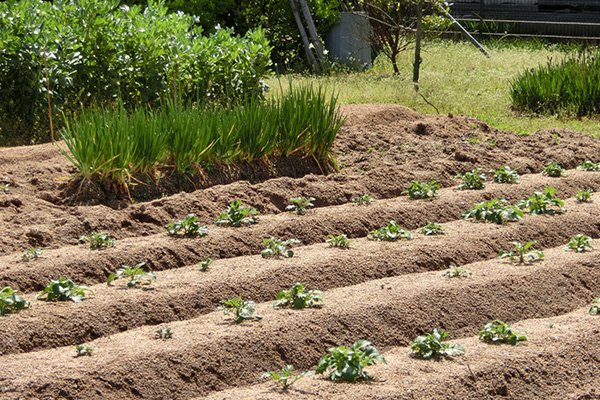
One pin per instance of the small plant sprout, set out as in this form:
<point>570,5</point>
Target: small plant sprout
<point>579,244</point>
<point>204,265</point>
<point>236,215</point>
<point>506,175</point>
<point>83,350</point>
<point>188,226</point>
<point>349,363</point>
<point>471,180</point>
<point>98,240</point>
<point>588,165</point>
<point>543,203</point>
<point>430,345</point>
<point>10,302</point>
<point>284,378</point>
<point>595,308</point>
<point>33,253</point>
<point>4,187</point>
<point>135,274</point>
<point>584,195</point>
<point>457,272</point>
<point>553,169</point>
<point>300,204</point>
<point>243,309</point>
<point>340,241</point>
<point>365,199</point>
<point>496,211</point>
<point>523,253</point>
<point>275,248</point>
<point>499,332</point>
<point>298,298</point>
<point>163,333</point>
<point>422,190</point>
<point>389,233</point>
<point>433,228</point>
<point>62,290</point>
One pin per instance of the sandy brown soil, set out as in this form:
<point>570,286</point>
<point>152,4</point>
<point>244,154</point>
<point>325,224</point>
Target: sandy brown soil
<point>387,293</point>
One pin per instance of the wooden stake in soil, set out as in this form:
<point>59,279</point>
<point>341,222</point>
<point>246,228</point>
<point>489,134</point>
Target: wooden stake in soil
<point>418,60</point>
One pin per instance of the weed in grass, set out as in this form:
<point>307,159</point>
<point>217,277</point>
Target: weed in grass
<point>390,233</point>
<point>134,274</point>
<point>365,199</point>
<point>275,248</point>
<point>430,345</point>
<point>10,302</point>
<point>83,350</point>
<point>98,240</point>
<point>340,241</point>
<point>243,309</point>
<point>284,378</point>
<point>163,334</point>
<point>499,332</point>
<point>543,203</point>
<point>422,190</point>
<point>506,175</point>
<point>297,297</point>
<point>457,272</point>
<point>204,265</point>
<point>433,228</point>
<point>588,165</point>
<point>188,226</point>
<point>349,363</point>
<point>595,308</point>
<point>523,253</point>
<point>33,253</point>
<point>236,215</point>
<point>62,290</point>
<point>584,195</point>
<point>300,204</point>
<point>553,169</point>
<point>472,180</point>
<point>580,243</point>
<point>496,211</point>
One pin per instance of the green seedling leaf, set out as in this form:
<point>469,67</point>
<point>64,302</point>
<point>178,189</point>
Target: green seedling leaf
<point>64,289</point>
<point>523,253</point>
<point>422,190</point>
<point>340,241</point>
<point>472,180</point>
<point>580,243</point>
<point>390,233</point>
<point>348,363</point>
<point>430,345</point>
<point>499,332</point>
<point>284,378</point>
<point>236,215</point>
<point>10,302</point>
<point>275,248</point>
<point>298,298</point>
<point>300,204</point>
<point>135,274</point>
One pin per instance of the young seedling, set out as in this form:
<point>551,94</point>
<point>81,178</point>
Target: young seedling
<point>433,228</point>
<point>579,243</point>
<point>98,240</point>
<point>457,272</point>
<point>10,302</point>
<point>499,332</point>
<point>542,203</point>
<point>284,378</point>
<point>298,298</point>
<point>204,265</point>
<point>236,215</point>
<point>422,190</point>
<point>4,187</point>
<point>33,253</point>
<point>83,350</point>
<point>430,345</point>
<point>163,334</point>
<point>188,226</point>
<point>506,175</point>
<point>389,233</point>
<point>496,211</point>
<point>365,199</point>
<point>588,165</point>
<point>340,241</point>
<point>243,309</point>
<point>135,274</point>
<point>275,248</point>
<point>523,253</point>
<point>553,169</point>
<point>584,195</point>
<point>595,308</point>
<point>300,204</point>
<point>349,363</point>
<point>62,290</point>
<point>472,180</point>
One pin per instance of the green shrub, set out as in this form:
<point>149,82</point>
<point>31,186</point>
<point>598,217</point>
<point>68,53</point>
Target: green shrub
<point>98,240</point>
<point>522,253</point>
<point>553,169</point>
<point>543,203</point>
<point>243,309</point>
<point>457,272</point>
<point>9,301</point>
<point>587,165</point>
<point>188,226</point>
<point>390,233</point>
<point>584,195</point>
<point>236,215</point>
<point>433,228</point>
<point>580,243</point>
<point>506,175</point>
<point>472,180</point>
<point>349,363</point>
<point>422,190</point>
<point>135,274</point>
<point>340,241</point>
<point>430,345</point>
<point>300,204</point>
<point>62,290</point>
<point>83,350</point>
<point>297,297</point>
<point>365,199</point>
<point>275,248</point>
<point>496,211</point>
<point>499,332</point>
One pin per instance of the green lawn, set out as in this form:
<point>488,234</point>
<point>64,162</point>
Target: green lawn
<point>457,78</point>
